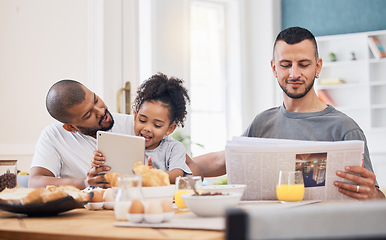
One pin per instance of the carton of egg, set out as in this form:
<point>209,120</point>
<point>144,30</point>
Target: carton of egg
<point>152,211</point>
<point>102,199</point>
<point>109,198</point>
<point>96,201</point>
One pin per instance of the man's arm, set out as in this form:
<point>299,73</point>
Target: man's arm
<point>211,164</point>
<point>193,166</point>
<point>41,177</point>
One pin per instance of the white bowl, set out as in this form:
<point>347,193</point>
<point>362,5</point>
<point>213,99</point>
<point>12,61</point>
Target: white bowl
<point>211,206</point>
<point>239,188</point>
<point>159,193</point>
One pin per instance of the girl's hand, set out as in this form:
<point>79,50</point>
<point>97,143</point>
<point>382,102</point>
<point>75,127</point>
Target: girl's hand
<point>150,163</point>
<point>98,160</point>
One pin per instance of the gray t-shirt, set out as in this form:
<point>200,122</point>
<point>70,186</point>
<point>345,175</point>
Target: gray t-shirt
<point>169,155</point>
<point>326,125</point>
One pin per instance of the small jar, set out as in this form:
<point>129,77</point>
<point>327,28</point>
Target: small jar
<point>8,172</point>
<point>130,189</point>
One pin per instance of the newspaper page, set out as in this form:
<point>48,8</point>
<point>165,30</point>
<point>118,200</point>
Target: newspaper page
<point>256,162</point>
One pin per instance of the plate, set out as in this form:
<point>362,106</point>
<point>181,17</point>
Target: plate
<point>44,209</point>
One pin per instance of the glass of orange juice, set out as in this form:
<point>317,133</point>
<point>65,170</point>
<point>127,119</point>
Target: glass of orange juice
<point>182,187</point>
<point>290,187</point>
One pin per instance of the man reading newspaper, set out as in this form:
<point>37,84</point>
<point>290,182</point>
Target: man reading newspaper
<point>303,116</point>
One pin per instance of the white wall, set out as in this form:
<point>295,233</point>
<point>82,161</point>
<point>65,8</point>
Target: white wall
<point>43,41</point>
<point>261,24</point>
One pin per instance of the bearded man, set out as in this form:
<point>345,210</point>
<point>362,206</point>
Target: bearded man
<point>303,116</point>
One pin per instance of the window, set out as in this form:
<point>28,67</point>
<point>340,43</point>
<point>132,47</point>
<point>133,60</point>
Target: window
<point>214,74</point>
<point>198,41</point>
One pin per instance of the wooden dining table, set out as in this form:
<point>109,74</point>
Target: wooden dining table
<point>339,219</point>
<point>85,224</point>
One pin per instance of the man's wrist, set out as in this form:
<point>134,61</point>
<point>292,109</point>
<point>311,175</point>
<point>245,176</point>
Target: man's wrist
<point>381,195</point>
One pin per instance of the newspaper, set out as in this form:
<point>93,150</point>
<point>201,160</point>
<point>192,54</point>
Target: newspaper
<point>256,162</point>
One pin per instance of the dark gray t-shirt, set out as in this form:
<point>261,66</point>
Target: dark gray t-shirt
<point>326,125</point>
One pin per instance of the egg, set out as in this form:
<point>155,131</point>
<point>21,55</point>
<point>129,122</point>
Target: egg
<point>108,195</point>
<point>154,207</point>
<point>136,207</point>
<point>98,195</point>
<point>154,212</point>
<point>166,206</point>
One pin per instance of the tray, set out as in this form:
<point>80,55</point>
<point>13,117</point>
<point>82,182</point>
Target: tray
<point>45,209</point>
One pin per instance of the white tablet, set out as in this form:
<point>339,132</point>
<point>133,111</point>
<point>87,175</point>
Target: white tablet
<point>121,151</point>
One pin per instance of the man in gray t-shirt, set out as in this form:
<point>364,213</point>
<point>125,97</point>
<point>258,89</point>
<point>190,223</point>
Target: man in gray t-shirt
<point>303,116</point>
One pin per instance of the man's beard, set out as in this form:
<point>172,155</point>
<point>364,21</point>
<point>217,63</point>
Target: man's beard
<point>93,131</point>
<point>297,95</point>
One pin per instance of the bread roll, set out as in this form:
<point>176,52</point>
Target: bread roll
<point>48,196</point>
<point>151,177</point>
<point>34,197</point>
<point>28,196</point>
<point>74,192</point>
<point>14,195</point>
<point>112,178</point>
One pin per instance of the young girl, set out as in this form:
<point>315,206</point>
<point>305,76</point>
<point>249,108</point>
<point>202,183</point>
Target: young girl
<point>160,106</point>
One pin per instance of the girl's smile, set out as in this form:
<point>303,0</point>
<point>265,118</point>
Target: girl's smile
<point>152,122</point>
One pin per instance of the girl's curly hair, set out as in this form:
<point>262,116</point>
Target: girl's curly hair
<point>169,91</point>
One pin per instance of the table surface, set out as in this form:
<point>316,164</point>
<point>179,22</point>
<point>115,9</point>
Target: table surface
<point>85,224</point>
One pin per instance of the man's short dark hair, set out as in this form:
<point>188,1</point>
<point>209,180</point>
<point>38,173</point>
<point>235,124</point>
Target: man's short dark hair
<point>63,95</point>
<point>294,35</point>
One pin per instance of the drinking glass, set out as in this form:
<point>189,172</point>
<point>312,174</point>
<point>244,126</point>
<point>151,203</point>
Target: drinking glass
<point>290,187</point>
<point>183,186</point>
